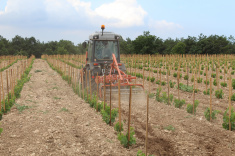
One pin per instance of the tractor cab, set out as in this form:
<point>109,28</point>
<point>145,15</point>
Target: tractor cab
<point>101,46</point>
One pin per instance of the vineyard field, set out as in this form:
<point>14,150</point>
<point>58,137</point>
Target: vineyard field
<point>55,116</point>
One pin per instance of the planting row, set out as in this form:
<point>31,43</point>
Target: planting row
<point>15,80</point>
<point>108,113</point>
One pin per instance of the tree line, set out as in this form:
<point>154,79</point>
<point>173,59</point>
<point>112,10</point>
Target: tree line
<point>143,44</point>
<point>151,44</point>
<point>31,46</point>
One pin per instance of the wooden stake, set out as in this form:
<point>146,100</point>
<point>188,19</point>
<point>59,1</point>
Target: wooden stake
<point>3,96</point>
<point>135,70</point>
<point>210,99</point>
<point>129,118</point>
<point>149,80</point>
<point>86,84</point>
<point>194,92</point>
<point>206,78</point>
<point>110,97</point>
<point>143,76</point>
<point>147,119</point>
<point>230,92</point>
<point>75,78</point>
<point>90,84</point>
<point>224,74</point>
<point>187,72</point>
<point>178,81</point>
<point>97,94</point>
<point>217,78</point>
<point>119,105</point>
<point>83,85</point>
<point>0,98</point>
<point>7,85</point>
<point>160,83</point>
<point>104,90</point>
<point>168,86</point>
<point>11,83</point>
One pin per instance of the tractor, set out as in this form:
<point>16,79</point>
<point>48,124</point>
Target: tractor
<point>103,67</point>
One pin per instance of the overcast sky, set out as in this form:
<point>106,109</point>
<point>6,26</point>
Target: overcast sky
<point>74,20</point>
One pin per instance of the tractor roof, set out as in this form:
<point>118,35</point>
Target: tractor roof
<point>106,36</point>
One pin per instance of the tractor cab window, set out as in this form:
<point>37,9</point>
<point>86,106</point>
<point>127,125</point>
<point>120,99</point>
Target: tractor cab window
<point>105,49</point>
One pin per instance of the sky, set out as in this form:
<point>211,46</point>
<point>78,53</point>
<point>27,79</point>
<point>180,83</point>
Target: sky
<point>75,20</point>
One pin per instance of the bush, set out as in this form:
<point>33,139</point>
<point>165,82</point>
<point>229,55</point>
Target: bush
<point>201,72</point>
<point>186,77</point>
<point>117,127</point>
<point>199,80</point>
<point>158,82</point>
<point>221,77</point>
<point>100,106</point>
<point>179,103</point>
<point>190,107</point>
<point>219,93</point>
<point>172,84</point>
<point>223,84</point>
<point>215,82</point>
<point>148,78</point>
<point>124,138</point>
<point>106,114</point>
<point>139,75</point>
<point>213,75</point>
<point>187,88</point>
<point>192,79</point>
<point>180,75</point>
<point>152,79</point>
<point>163,83</point>
<point>163,73</point>
<point>208,82</point>
<point>226,119</point>
<point>164,97</point>
<point>175,74</point>
<point>158,97</point>
<point>208,91</point>
<point>213,114</point>
<point>233,83</point>
<point>140,67</point>
<point>233,97</point>
<point>93,101</point>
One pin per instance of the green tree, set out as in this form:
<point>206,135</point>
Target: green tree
<point>62,51</point>
<point>145,44</point>
<point>168,45</point>
<point>126,47</point>
<point>179,48</point>
<point>191,44</point>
